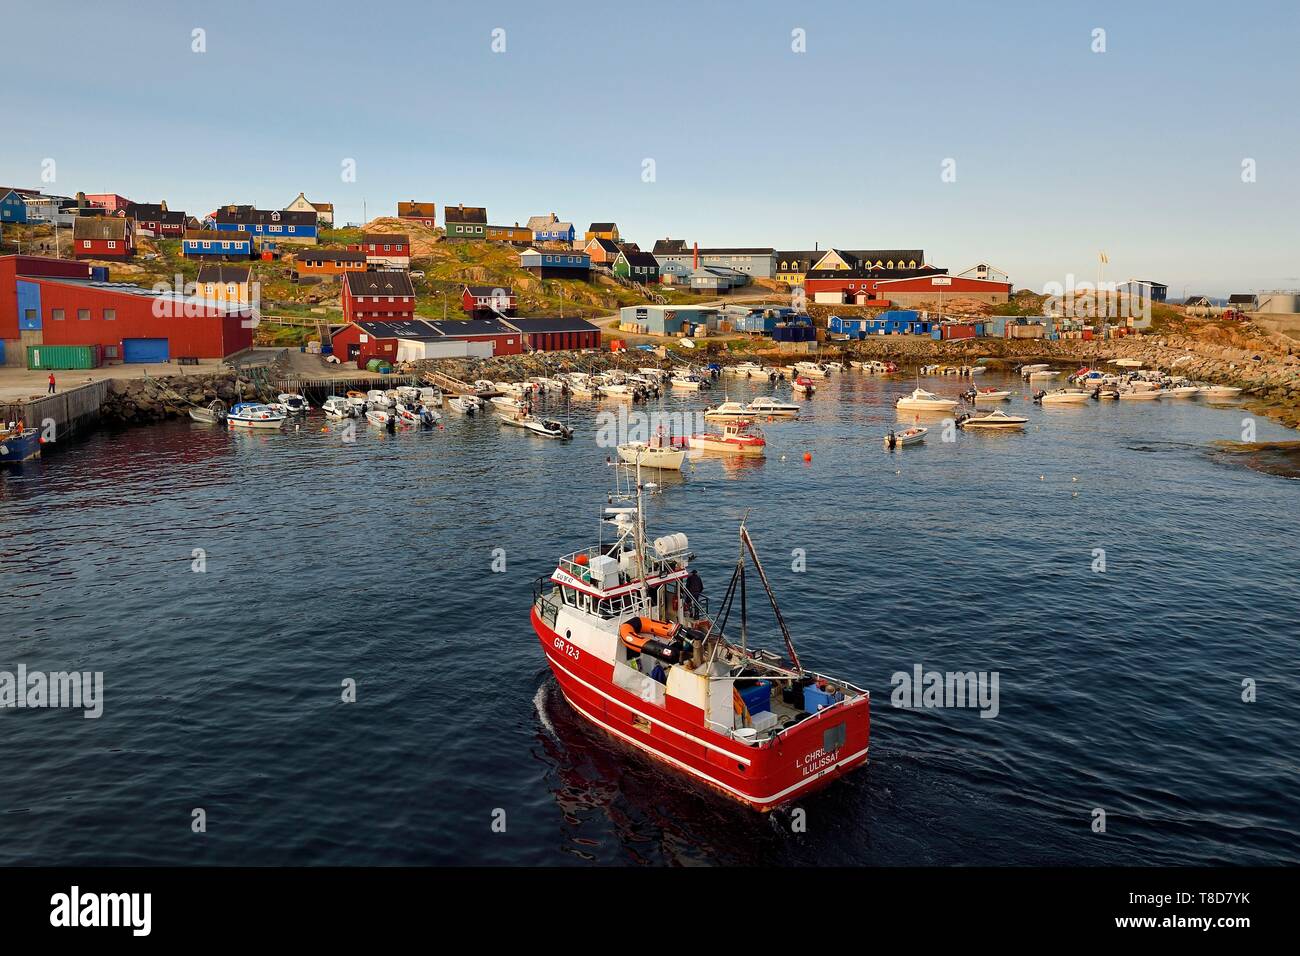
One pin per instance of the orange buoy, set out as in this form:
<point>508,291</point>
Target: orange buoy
<point>807,456</point>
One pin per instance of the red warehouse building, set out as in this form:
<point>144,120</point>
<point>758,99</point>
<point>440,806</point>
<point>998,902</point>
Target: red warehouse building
<point>387,294</point>
<point>412,340</point>
<point>553,335</point>
<point>922,290</point>
<point>58,307</point>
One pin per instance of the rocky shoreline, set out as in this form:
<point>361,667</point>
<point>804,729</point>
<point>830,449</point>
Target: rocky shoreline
<point>143,401</point>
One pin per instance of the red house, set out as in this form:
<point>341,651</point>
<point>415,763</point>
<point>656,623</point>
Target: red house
<point>110,201</point>
<point>385,250</point>
<point>155,220</point>
<point>385,295</point>
<point>103,237</point>
<point>425,213</point>
<point>554,335</point>
<point>483,301</point>
<point>403,340</point>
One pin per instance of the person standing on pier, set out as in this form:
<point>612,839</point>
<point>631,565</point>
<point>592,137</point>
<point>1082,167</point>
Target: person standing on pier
<point>51,383</point>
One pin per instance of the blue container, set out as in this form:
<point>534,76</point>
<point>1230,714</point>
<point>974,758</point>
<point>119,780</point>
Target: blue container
<point>757,698</point>
<point>814,698</point>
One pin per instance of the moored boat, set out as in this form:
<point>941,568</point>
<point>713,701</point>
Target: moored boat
<point>902,437</point>
<point>997,419</point>
<point>922,401</point>
<point>772,408</point>
<point>803,385</point>
<point>254,415</point>
<point>1063,396</point>
<point>18,443</point>
<point>1219,391</point>
<point>656,453</point>
<point>736,438</point>
<point>727,411</point>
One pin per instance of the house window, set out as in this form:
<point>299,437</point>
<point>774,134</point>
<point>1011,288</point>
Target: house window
<point>110,315</point>
<point>208,245</point>
<point>85,244</point>
<point>83,314</point>
<point>230,289</point>
<point>210,288</point>
<point>56,315</point>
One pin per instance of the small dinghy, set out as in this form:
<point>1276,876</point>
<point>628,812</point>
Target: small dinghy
<point>339,407</point>
<point>803,385</point>
<point>509,405</point>
<point>465,404</point>
<point>379,417</point>
<point>904,437</point>
<point>987,394</point>
<point>993,420</point>
<point>214,414</point>
<point>294,404</point>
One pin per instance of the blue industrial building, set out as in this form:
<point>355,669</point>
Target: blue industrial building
<point>217,244</point>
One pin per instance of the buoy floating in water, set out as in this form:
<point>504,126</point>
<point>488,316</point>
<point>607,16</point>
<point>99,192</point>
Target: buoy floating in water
<point>807,456</point>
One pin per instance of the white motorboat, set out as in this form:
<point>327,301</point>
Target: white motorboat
<point>834,366</point>
<point>1180,391</point>
<point>484,385</point>
<point>1219,391</point>
<point>901,438</point>
<point>811,369</point>
<point>545,427</point>
<point>1126,363</point>
<point>278,408</point>
<point>989,394</point>
<point>745,369</point>
<point>1131,394</point>
<point>617,390</point>
<point>688,381</point>
<point>377,416</point>
<point>1028,370</point>
<point>214,414</point>
<point>1063,396</point>
<point>656,374</point>
<point>653,454</point>
<point>408,393</point>
<point>338,407</point>
<point>254,415</point>
<point>1044,373</point>
<point>510,405</point>
<point>922,401</point>
<point>431,397</point>
<point>997,419</point>
<point>772,408</point>
<point>358,402</point>
<point>294,403</point>
<point>377,398</point>
<point>419,416</point>
<point>727,410</point>
<point>466,404</point>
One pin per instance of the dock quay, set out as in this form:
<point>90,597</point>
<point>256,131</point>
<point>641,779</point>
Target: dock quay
<point>62,415</point>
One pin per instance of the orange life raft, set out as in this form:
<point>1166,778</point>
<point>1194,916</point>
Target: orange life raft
<point>647,636</point>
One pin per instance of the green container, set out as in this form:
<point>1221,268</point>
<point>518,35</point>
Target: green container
<point>49,358</point>
<point>373,365</point>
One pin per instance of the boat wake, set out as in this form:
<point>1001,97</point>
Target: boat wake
<point>542,703</point>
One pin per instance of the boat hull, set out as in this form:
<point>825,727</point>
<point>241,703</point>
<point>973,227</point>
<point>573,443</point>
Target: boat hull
<point>19,448</point>
<point>791,765</point>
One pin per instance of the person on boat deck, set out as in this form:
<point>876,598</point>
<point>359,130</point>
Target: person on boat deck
<point>694,584</point>
<point>658,674</point>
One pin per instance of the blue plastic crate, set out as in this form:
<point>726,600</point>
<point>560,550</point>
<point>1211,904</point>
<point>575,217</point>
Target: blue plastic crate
<point>814,698</point>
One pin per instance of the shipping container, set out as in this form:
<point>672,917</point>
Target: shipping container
<point>54,357</point>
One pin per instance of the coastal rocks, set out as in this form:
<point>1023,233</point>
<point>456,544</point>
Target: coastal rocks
<point>138,401</point>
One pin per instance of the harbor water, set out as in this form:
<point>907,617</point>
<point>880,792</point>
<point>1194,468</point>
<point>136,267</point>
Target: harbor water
<point>1126,580</point>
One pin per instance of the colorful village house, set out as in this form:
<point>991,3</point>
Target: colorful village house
<point>13,205</point>
<point>324,210</point>
<point>554,264</point>
<point>852,276</point>
<point>155,220</point>
<point>103,237</point>
<point>638,266</point>
<point>537,223</point>
<point>384,295</point>
<point>562,232</point>
<point>793,265</point>
<point>225,283</point>
<point>602,230</point>
<point>329,262</point>
<point>111,202</point>
<point>268,226</point>
<point>603,252</point>
<point>413,340</point>
<point>483,301</point>
<point>387,250</point>
<point>516,234</point>
<point>465,222</point>
<point>425,213</point>
<point>216,244</point>
<point>555,335</point>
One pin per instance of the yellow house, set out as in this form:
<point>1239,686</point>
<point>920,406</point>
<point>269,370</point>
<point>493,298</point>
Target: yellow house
<point>791,267</point>
<point>602,230</point>
<point>224,283</point>
<point>891,260</point>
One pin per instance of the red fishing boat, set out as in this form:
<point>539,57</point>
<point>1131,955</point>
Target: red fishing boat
<point>629,636</point>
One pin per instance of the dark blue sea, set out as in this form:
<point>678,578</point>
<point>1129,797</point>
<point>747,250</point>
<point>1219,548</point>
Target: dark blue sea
<point>372,561</point>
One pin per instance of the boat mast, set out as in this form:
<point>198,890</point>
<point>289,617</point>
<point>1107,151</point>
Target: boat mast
<point>758,566</point>
<point>640,533</point>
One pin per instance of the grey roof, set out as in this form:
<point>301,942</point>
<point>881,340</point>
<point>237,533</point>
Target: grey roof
<point>401,329</point>
<point>382,282</point>
<point>223,274</point>
<point>99,227</point>
<point>462,327</point>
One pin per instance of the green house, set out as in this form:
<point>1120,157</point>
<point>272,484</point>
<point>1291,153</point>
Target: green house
<point>465,222</point>
<point>638,266</point>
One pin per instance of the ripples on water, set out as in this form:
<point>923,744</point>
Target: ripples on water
<point>371,561</point>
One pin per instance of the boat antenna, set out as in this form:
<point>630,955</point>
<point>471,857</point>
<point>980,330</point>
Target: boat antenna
<point>758,566</point>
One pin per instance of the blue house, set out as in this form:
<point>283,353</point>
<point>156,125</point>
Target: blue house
<point>216,244</point>
<point>12,206</point>
<point>549,264</point>
<point>555,232</point>
<point>277,225</point>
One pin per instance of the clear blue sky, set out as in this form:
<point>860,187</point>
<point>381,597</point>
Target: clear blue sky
<point>1059,151</point>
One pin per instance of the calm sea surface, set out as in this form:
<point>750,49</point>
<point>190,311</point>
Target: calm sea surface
<point>1119,691</point>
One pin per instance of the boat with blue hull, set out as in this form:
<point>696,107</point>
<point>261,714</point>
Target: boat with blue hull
<point>19,444</point>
